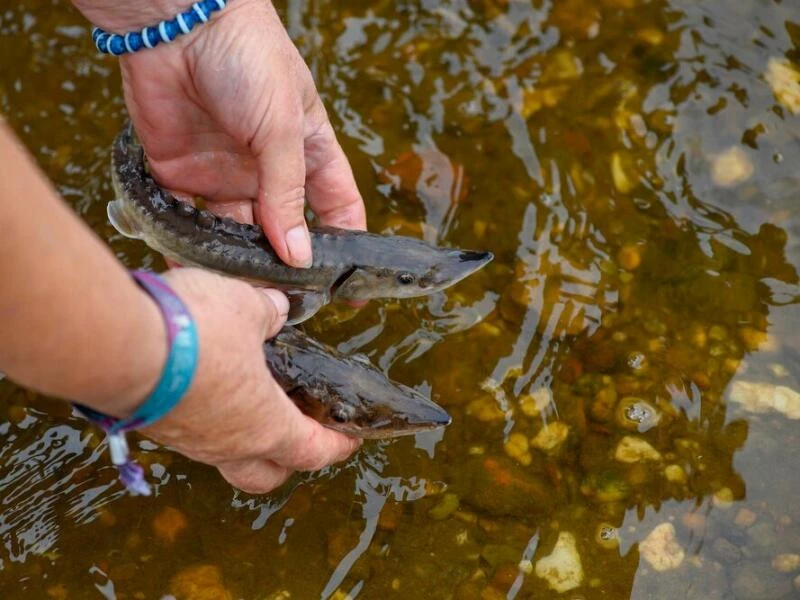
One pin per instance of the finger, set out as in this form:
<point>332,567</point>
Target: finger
<point>330,186</point>
<point>277,311</point>
<point>240,211</point>
<point>308,446</point>
<point>254,476</point>
<point>281,178</point>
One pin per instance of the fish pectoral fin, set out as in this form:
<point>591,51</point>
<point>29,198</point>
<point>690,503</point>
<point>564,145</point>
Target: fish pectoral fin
<point>304,304</point>
<point>117,217</point>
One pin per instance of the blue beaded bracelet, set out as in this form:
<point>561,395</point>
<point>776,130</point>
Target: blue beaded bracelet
<point>150,37</point>
<point>176,378</point>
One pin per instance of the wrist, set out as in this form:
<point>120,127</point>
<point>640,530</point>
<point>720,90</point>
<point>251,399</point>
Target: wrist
<point>122,395</point>
<point>121,17</point>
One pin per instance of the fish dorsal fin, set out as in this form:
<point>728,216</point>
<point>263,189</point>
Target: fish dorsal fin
<point>116,214</point>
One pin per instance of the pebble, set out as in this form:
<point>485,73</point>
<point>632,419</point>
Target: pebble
<point>660,548</point>
<point>635,414</point>
<point>723,498</point>
<point>562,569</point>
<point>760,397</point>
<point>629,257</point>
<point>785,83</point>
<point>763,534</point>
<point>535,403</point>
<point>517,448</point>
<point>731,168</point>
<point>169,523</point>
<point>551,437</point>
<point>745,517</point>
<point>675,474</point>
<point>757,581</point>
<point>726,551</point>
<point>786,563</point>
<point>633,449</point>
<point>199,582</point>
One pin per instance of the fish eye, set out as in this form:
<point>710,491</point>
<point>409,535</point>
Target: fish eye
<point>341,413</point>
<point>405,278</point>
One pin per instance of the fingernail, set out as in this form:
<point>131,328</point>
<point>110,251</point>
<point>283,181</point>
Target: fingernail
<point>299,244</point>
<point>280,301</point>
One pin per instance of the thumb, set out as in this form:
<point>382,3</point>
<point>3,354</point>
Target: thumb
<point>281,182</point>
<point>276,306</point>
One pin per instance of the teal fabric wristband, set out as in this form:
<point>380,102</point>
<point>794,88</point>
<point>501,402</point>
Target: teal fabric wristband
<point>175,380</point>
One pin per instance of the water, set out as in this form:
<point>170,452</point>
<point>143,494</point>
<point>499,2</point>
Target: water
<point>621,367</point>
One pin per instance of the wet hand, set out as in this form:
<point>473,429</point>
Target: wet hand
<point>231,113</point>
<point>235,415</point>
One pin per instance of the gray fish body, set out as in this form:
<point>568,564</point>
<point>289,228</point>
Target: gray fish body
<point>347,265</point>
<point>347,393</point>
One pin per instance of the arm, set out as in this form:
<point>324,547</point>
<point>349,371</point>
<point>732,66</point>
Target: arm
<point>70,313</point>
<point>230,112</point>
<point>75,326</point>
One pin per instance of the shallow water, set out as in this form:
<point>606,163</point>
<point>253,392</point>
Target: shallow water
<point>632,166</point>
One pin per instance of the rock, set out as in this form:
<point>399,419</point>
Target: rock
<point>726,551</point>
<point>551,437</point>
<point>786,563</point>
<point>535,403</point>
<point>660,549</point>
<point>785,83</point>
<point>169,523</point>
<point>633,449</point>
<point>731,168</point>
<point>517,448</point>
<point>199,582</point>
<point>501,487</point>
<point>757,581</point>
<point>675,474</point>
<point>745,518</point>
<point>562,569</point>
<point>607,536</point>
<point>760,397</point>
<point>635,414</point>
<point>763,534</point>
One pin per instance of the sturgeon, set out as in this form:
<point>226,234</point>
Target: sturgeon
<point>347,265</point>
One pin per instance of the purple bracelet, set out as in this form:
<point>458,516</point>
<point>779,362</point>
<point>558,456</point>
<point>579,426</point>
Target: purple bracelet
<point>175,380</point>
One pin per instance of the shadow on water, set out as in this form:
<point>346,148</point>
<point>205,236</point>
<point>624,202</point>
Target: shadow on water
<point>621,377</point>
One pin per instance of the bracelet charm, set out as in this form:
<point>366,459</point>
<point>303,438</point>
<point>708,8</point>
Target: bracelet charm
<point>176,377</point>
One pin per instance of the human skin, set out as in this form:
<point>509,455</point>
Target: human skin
<point>76,326</point>
<point>230,112</point>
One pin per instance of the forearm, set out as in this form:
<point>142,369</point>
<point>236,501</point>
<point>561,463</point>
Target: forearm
<point>74,325</point>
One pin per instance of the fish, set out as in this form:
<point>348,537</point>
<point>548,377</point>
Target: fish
<point>347,393</point>
<point>348,265</point>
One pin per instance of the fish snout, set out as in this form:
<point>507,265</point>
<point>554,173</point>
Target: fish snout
<point>475,257</point>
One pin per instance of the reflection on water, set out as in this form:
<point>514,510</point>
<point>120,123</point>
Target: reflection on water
<point>622,378</point>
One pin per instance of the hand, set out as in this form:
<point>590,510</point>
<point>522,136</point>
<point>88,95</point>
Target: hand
<point>230,112</point>
<point>235,416</point>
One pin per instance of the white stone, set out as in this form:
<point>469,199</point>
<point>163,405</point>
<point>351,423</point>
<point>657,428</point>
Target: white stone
<point>633,449</point>
<point>550,437</point>
<point>731,168</point>
<point>660,549</point>
<point>562,569</point>
<point>760,397</point>
<point>785,83</point>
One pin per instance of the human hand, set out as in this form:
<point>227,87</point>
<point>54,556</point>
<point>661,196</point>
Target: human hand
<point>231,113</point>
<point>235,416</point>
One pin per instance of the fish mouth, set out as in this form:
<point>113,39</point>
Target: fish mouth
<point>461,264</point>
<point>472,256</point>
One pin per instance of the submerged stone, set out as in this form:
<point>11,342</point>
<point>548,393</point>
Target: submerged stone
<point>660,548</point>
<point>633,449</point>
<point>562,569</point>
